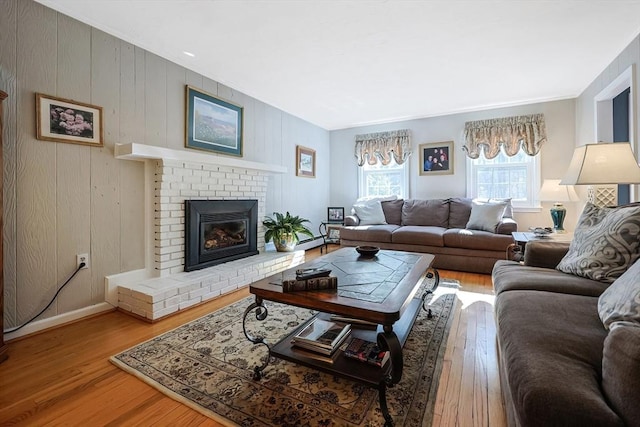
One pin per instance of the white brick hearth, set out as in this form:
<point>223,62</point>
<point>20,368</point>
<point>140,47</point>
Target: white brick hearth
<point>174,176</point>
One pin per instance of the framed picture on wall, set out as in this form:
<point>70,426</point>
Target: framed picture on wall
<point>65,120</point>
<point>305,162</point>
<point>436,158</point>
<point>213,124</point>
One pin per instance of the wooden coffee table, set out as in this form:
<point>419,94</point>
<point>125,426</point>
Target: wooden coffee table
<point>381,290</point>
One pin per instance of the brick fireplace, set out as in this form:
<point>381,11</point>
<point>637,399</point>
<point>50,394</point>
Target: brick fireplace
<point>172,177</point>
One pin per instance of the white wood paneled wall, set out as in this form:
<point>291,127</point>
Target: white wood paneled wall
<point>64,199</point>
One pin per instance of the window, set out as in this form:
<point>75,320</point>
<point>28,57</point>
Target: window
<point>516,177</point>
<point>380,180</point>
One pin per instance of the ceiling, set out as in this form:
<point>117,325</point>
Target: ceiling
<point>340,64</point>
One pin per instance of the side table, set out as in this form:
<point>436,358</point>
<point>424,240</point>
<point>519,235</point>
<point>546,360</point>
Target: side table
<point>330,232</point>
<point>516,251</point>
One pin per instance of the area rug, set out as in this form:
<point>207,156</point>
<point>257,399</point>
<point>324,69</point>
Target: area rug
<point>207,364</point>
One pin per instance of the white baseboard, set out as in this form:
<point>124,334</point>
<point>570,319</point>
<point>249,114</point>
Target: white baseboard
<point>41,325</point>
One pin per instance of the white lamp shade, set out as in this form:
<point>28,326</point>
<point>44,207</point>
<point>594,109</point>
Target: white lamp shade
<point>553,191</point>
<point>604,163</point>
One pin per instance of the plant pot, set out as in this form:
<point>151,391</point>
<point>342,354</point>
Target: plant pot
<point>286,243</point>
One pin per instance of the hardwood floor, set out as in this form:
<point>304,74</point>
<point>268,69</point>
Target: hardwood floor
<point>63,376</point>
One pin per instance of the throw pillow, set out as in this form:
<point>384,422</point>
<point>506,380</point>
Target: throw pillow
<point>485,216</point>
<point>370,212</point>
<point>605,243</point>
<point>508,210</point>
<point>620,302</point>
<point>434,212</point>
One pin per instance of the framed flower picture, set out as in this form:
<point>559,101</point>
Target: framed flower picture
<point>66,120</point>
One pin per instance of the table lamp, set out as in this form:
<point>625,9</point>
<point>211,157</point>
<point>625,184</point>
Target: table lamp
<point>553,191</point>
<point>603,163</point>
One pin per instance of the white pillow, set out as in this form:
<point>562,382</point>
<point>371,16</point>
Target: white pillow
<point>620,302</point>
<point>381,199</point>
<point>370,212</point>
<point>486,216</point>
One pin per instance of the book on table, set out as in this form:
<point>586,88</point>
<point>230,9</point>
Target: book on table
<point>322,336</point>
<point>366,351</point>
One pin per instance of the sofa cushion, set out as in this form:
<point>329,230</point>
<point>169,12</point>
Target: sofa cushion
<point>621,371</point>
<point>551,351</point>
<point>419,235</point>
<point>370,212</point>
<point>512,276</point>
<point>606,242</point>
<point>476,239</point>
<point>393,211</point>
<point>621,301</point>
<point>368,233</point>
<point>459,212</point>
<point>485,216</point>
<point>426,212</point>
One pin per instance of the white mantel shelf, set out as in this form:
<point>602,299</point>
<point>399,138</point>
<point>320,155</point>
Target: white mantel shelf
<point>141,152</point>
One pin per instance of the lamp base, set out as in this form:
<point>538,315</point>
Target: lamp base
<point>558,212</point>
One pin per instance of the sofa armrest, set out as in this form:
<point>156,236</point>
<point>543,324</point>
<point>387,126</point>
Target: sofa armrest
<point>351,220</point>
<point>507,226</point>
<point>545,254</point>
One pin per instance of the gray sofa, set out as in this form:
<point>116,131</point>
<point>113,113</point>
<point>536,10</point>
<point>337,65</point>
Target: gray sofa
<point>438,227</point>
<point>559,366</point>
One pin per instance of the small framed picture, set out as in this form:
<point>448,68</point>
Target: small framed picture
<point>333,232</point>
<point>335,214</point>
<point>305,162</point>
<point>436,158</point>
<point>66,120</point>
<point>213,124</point>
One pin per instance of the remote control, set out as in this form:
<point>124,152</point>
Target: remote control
<point>311,273</point>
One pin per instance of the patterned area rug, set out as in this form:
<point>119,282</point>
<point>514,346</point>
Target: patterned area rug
<point>207,364</point>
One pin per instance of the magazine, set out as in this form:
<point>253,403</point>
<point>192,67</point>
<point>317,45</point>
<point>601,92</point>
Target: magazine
<point>366,351</point>
<point>322,335</point>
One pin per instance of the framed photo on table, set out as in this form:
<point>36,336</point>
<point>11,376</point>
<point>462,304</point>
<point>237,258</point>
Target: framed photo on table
<point>305,162</point>
<point>335,214</point>
<point>213,124</point>
<point>333,232</point>
<point>436,158</point>
<point>65,120</point>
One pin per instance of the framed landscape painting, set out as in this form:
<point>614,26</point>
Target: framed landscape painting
<point>436,158</point>
<point>213,124</point>
<point>305,162</point>
<point>65,120</point>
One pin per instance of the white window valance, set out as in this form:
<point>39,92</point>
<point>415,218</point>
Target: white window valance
<point>513,133</point>
<point>383,146</point>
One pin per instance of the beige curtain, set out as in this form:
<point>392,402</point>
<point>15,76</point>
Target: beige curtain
<point>513,133</point>
<point>382,146</point>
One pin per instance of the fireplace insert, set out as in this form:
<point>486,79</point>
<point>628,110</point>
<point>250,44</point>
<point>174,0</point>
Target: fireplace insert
<point>218,231</point>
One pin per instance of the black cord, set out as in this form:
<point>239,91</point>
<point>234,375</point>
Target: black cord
<point>6,331</point>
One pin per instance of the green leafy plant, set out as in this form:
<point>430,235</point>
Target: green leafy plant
<point>281,226</point>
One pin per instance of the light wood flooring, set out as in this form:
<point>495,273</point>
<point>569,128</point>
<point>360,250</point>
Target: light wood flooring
<point>63,376</point>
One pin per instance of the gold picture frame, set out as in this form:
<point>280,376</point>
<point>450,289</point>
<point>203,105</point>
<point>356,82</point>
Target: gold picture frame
<point>66,120</point>
<point>436,158</point>
<point>305,162</point>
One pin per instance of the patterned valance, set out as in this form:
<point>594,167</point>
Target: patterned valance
<point>513,133</point>
<point>382,146</point>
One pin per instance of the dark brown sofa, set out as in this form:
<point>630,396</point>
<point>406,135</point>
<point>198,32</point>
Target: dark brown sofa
<point>559,366</point>
<point>437,227</point>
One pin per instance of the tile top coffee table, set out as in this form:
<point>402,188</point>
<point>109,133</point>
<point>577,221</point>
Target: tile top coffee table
<point>381,289</point>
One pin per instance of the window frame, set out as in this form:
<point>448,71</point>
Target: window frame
<point>532,202</point>
<point>363,173</point>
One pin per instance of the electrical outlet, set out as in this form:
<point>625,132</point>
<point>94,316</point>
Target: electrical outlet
<point>80,258</point>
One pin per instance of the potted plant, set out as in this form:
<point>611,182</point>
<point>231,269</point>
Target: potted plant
<point>284,229</point>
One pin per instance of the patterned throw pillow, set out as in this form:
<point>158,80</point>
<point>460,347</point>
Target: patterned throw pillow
<point>620,302</point>
<point>605,243</point>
